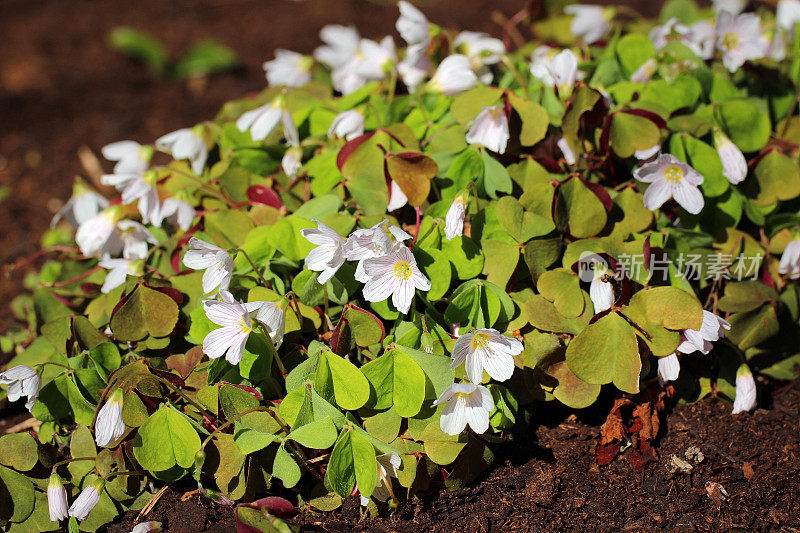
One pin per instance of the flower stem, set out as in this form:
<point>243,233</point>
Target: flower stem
<point>206,414</point>
<point>253,265</point>
<point>125,473</point>
<point>67,461</point>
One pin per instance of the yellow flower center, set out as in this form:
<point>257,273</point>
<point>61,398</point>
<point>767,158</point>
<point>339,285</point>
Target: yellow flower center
<point>244,327</point>
<point>402,270</point>
<point>673,173</point>
<point>730,41</point>
<point>480,340</point>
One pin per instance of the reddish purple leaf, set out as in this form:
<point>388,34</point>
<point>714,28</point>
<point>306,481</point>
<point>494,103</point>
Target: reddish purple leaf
<point>351,146</point>
<point>259,194</point>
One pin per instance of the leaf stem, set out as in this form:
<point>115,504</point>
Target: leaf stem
<point>67,461</point>
<point>252,264</point>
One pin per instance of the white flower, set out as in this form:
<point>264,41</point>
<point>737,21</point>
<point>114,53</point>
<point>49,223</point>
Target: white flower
<point>134,238</point>
<point>712,329</point>
<point>119,269</point>
<point>702,39</point>
<point>672,29</point>
<point>559,70</point>
<point>185,144</point>
<point>56,499</point>
<point>591,23</point>
<point>482,50</point>
<point>788,14</point>
<point>328,256</point>
<point>379,240</point>
<point>669,367</point>
<point>388,464</point>
<point>602,294</point>
<point>414,68</point>
<point>670,177</point>
<point>345,78</point>
<point>397,198</point>
<point>178,213</point>
<point>216,262</point>
<point>644,155</point>
<point>234,317</point>
<point>465,403</point>
<point>274,318</point>
<point>84,204</point>
<point>454,219</point>
<point>745,390</point>
<point>147,527</point>
<point>412,25</point>
<point>99,234</point>
<point>347,125</point>
<point>453,76</point>
<point>138,186</point>
<point>376,60</point>
<point>292,161</point>
<point>490,129</point>
<point>486,349</point>
<point>395,275</point>
<point>566,151</point>
<point>109,427</point>
<point>263,120</point>
<point>734,165</point>
<point>341,44</point>
<point>734,7</point>
<point>777,45</point>
<point>790,260</point>
<point>86,500</point>
<point>22,380</point>
<point>129,155</point>
<point>740,39</point>
<point>288,68</point>
<point>645,71</point>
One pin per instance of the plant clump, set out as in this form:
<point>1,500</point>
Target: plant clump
<point>366,277</point>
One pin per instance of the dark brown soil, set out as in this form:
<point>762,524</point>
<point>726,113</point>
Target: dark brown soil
<point>553,483</point>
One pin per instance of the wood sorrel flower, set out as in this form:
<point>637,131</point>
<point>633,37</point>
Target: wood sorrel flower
<point>178,213</point>
<point>348,125</point>
<point>22,380</point>
<point>83,205</point>
<point>465,403</point>
<point>388,464</point>
<point>109,426</point>
<point>669,177</point>
<point>454,219</point>
<point>118,271</point>
<point>261,121</point>
<point>395,275</point>
<point>234,317</point>
<point>490,129</point>
<point>185,144</point>
<point>740,38</point>
<point>412,25</point>
<point>99,234</point>
<point>590,23</point>
<point>559,70</point>
<point>87,499</point>
<point>790,260</point>
<point>341,44</point>
<point>289,69</point>
<point>147,527</point>
<point>669,367</point>
<point>273,316</point>
<point>216,262</point>
<point>486,349</point>
<point>129,155</point>
<point>702,340</point>
<point>139,186</point>
<point>745,390</point>
<point>481,50</point>
<point>56,499</point>
<point>734,165</point>
<point>379,240</point>
<point>328,256</point>
<point>453,76</point>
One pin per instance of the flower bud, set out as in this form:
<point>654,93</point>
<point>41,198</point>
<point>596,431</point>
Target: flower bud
<point>56,499</point>
<point>109,426</point>
<point>745,390</point>
<point>86,500</point>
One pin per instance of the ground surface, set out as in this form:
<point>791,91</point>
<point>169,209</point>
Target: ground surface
<point>61,88</point>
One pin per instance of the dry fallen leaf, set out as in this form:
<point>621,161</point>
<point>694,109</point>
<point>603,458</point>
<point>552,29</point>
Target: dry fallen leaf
<point>747,470</point>
<point>716,492</point>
